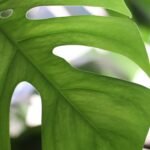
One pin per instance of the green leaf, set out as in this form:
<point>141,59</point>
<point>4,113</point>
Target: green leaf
<point>80,110</point>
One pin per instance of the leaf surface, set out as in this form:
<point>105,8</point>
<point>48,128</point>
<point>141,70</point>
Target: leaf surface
<point>80,110</point>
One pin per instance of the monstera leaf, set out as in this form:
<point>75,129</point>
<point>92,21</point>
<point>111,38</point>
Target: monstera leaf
<point>80,110</point>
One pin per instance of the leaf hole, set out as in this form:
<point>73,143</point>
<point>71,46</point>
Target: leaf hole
<point>98,61</point>
<point>147,141</point>
<point>6,13</point>
<point>25,118</point>
<point>45,12</point>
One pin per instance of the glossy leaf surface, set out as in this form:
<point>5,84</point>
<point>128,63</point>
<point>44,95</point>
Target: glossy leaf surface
<point>81,111</point>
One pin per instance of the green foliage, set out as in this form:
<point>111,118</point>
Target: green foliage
<point>81,111</point>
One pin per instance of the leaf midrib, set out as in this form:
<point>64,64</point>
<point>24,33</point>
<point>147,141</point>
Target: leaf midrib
<point>7,71</point>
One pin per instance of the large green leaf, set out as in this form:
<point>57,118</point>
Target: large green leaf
<point>80,110</point>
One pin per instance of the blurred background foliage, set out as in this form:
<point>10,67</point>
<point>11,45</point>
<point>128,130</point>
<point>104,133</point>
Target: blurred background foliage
<point>25,111</point>
<point>141,12</point>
